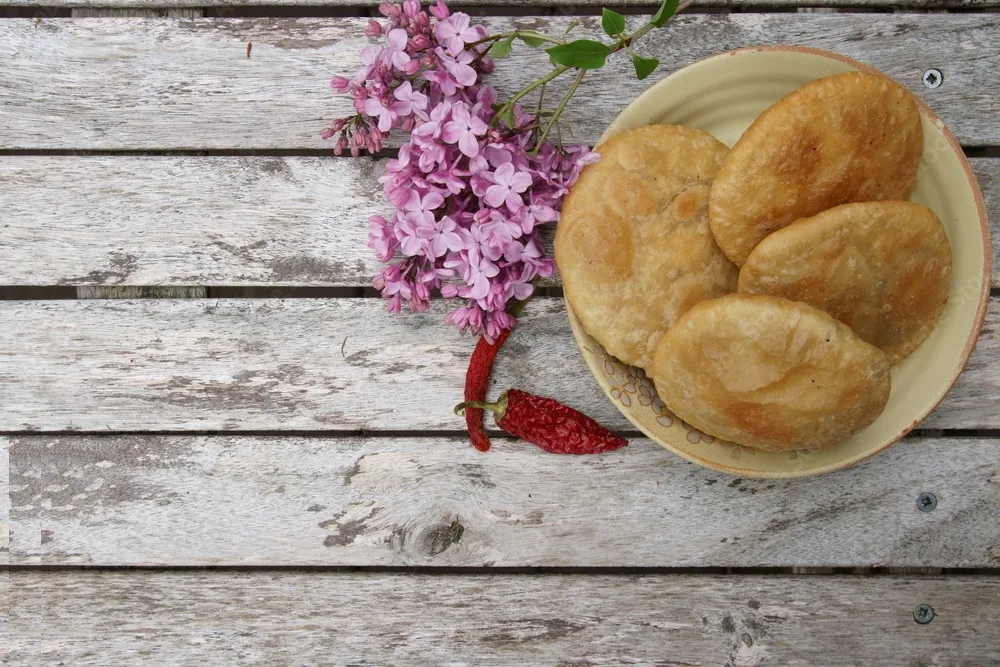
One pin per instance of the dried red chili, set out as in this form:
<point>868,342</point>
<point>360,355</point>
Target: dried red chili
<point>548,423</point>
<point>476,383</point>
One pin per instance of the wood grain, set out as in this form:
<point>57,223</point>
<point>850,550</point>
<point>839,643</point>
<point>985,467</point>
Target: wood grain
<point>557,4</point>
<point>308,364</point>
<point>4,511</point>
<point>188,84</point>
<point>196,220</point>
<point>127,220</point>
<point>394,501</point>
<point>88,617</point>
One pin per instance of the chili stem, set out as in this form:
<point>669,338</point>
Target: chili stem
<point>498,407</point>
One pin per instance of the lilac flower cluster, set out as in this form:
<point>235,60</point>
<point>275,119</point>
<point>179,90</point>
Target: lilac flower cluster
<point>470,192</point>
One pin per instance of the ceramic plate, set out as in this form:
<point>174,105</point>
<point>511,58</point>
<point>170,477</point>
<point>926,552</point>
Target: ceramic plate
<point>722,95</point>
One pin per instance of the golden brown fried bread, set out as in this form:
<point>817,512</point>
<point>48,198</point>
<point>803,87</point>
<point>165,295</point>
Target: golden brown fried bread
<point>633,244</point>
<point>882,268</point>
<point>769,373</point>
<point>839,139</point>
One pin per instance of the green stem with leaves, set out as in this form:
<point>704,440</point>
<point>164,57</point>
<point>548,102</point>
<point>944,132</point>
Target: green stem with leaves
<point>527,36</point>
<point>580,55</point>
<point>558,112</point>
<point>509,106</point>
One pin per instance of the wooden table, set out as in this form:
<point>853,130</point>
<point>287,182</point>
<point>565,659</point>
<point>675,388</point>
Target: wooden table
<point>222,450</point>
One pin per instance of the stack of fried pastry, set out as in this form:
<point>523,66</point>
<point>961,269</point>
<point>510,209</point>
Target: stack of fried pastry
<point>766,289</point>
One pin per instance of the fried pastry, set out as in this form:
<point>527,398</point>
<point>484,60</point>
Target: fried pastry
<point>633,244</point>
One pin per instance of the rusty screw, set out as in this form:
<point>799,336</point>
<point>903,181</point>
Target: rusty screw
<point>926,502</point>
<point>923,614</point>
<point>933,78</point>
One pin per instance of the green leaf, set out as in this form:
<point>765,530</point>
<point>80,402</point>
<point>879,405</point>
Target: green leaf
<point>572,24</point>
<point>644,66</point>
<point>612,22</point>
<point>529,37</point>
<point>663,14</point>
<point>583,53</point>
<point>507,117</point>
<point>502,48</point>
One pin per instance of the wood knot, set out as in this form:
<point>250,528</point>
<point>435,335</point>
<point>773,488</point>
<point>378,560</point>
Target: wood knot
<point>438,538</point>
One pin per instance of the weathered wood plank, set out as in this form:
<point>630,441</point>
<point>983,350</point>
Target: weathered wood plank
<point>188,84</point>
<point>4,507</point>
<point>107,617</point>
<point>557,4</point>
<point>310,364</point>
<point>187,220</point>
<point>118,220</point>
<point>114,500</point>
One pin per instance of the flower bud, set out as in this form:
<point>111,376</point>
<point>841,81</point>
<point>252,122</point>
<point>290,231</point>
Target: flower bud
<point>341,144</point>
<point>440,10</point>
<point>419,43</point>
<point>486,65</point>
<point>373,29</point>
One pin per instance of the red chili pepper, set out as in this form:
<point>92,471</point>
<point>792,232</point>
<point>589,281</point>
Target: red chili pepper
<point>548,423</point>
<point>477,379</point>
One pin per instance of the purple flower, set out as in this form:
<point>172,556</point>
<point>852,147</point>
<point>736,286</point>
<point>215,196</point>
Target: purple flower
<point>463,130</point>
<point>381,238</point>
<point>369,55</point>
<point>395,53</point>
<point>500,231</point>
<point>508,185</point>
<point>454,74</point>
<point>459,67</point>
<point>455,32</point>
<point>467,198</point>
<point>431,155</point>
<point>450,178</point>
<point>422,208</point>
<point>534,214</point>
<point>412,242</point>
<point>519,290</point>
<point>411,8</point>
<point>480,270</point>
<point>444,238</point>
<point>439,10</point>
<point>479,175</point>
<point>386,114</point>
<point>408,100</point>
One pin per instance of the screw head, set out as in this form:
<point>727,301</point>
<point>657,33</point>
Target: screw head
<point>923,614</point>
<point>926,502</point>
<point>933,78</point>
